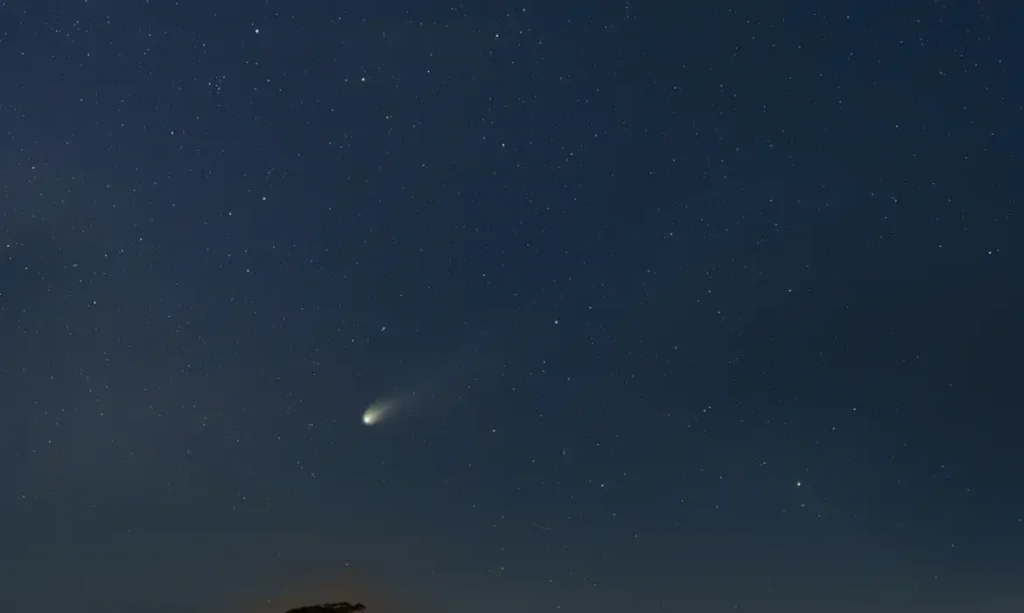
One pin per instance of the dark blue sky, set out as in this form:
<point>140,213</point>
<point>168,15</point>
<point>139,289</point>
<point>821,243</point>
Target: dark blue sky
<point>708,307</point>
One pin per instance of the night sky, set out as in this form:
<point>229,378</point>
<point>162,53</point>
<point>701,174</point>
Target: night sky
<point>669,307</point>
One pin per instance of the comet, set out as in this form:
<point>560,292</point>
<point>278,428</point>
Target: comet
<point>443,386</point>
<point>381,409</point>
<point>374,414</point>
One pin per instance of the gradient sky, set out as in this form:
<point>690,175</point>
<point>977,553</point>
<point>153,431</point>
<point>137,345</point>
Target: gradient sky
<point>709,307</point>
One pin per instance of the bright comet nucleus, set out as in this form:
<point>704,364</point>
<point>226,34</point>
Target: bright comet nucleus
<point>374,414</point>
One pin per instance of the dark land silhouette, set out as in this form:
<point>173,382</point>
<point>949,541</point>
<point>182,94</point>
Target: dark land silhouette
<point>330,607</point>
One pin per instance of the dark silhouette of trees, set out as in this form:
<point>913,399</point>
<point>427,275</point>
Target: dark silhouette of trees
<point>330,607</point>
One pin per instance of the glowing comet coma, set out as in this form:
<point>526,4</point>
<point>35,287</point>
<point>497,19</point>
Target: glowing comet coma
<point>377,411</point>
